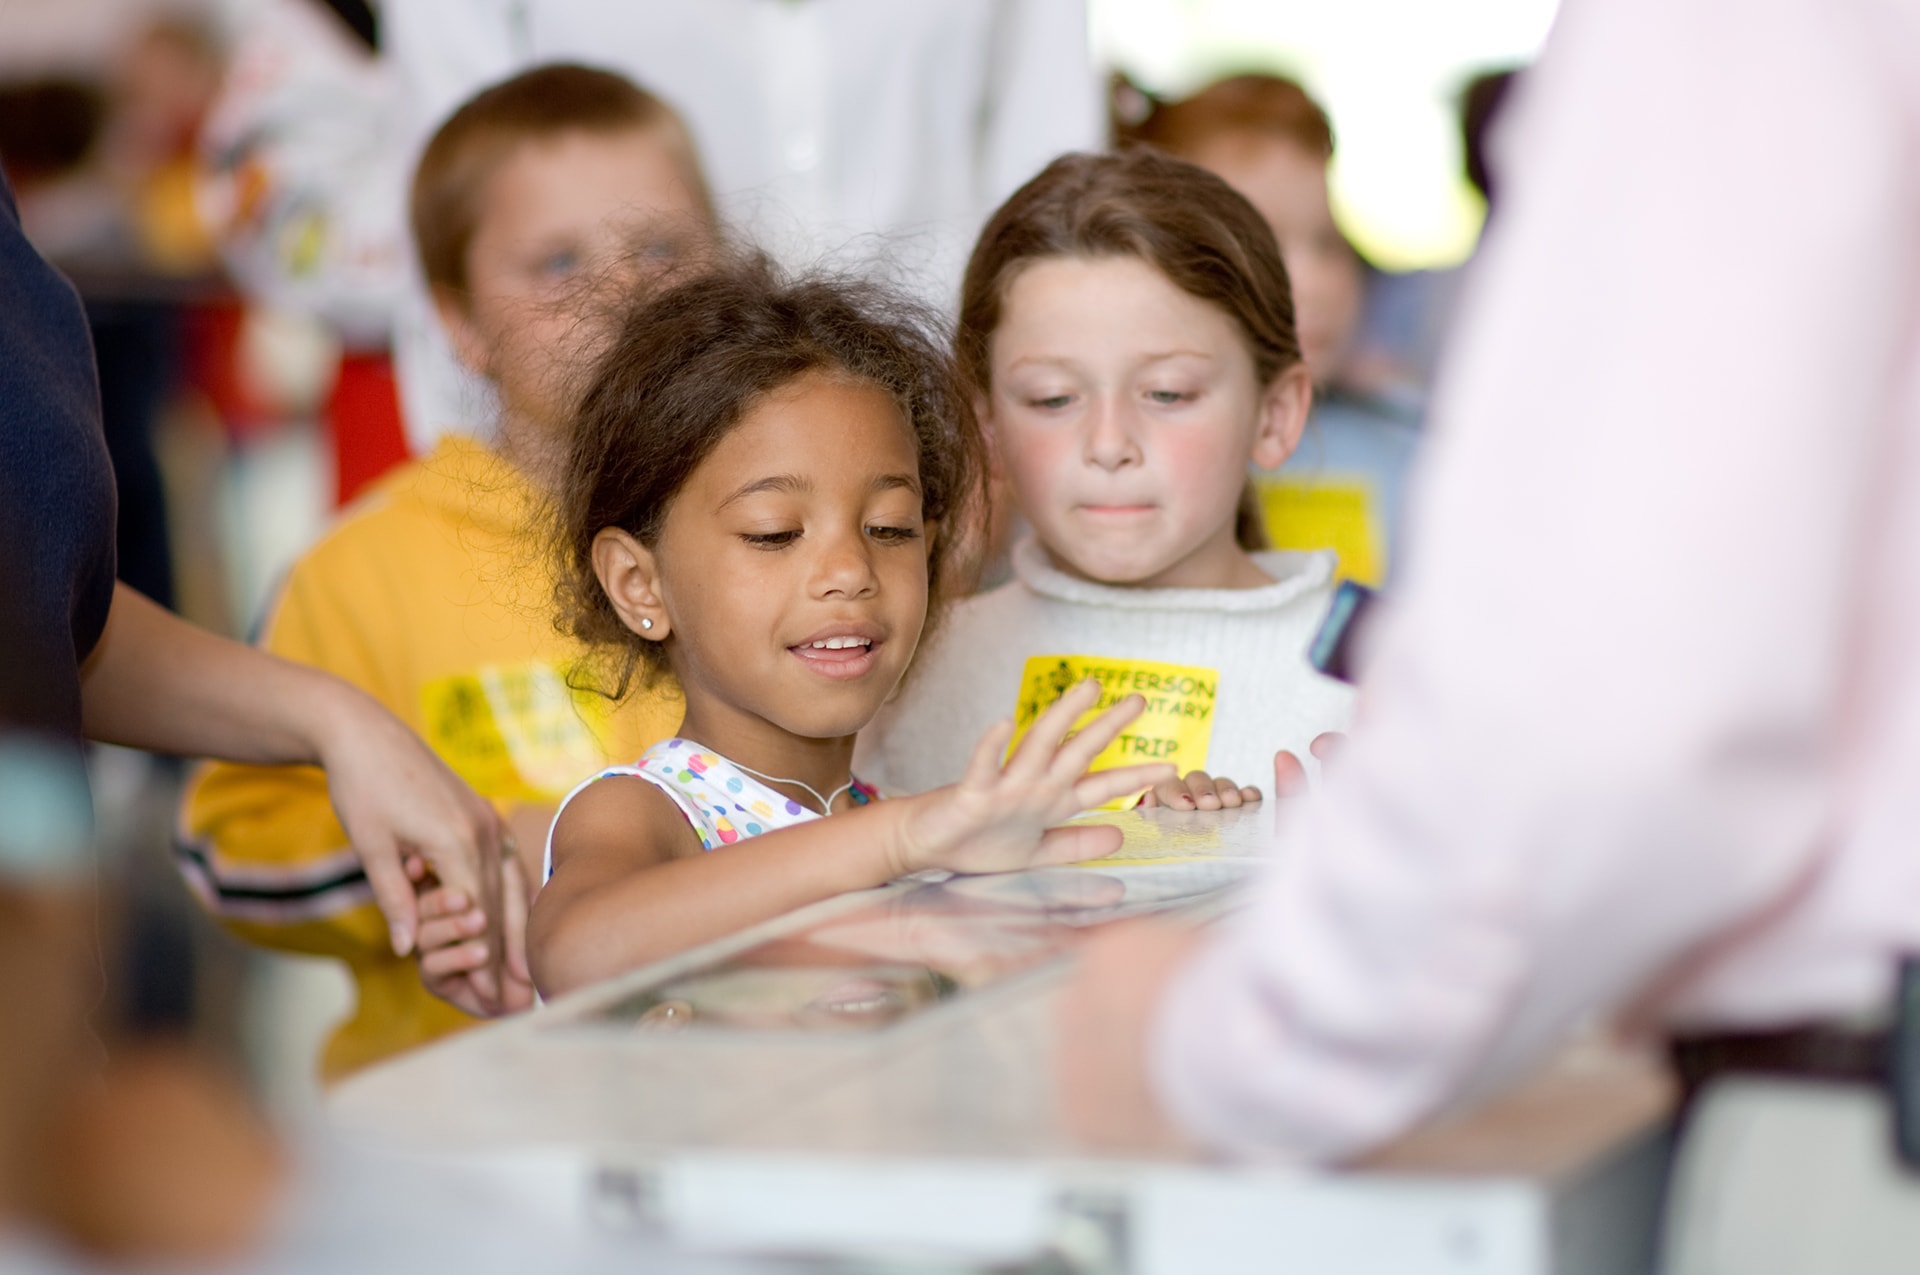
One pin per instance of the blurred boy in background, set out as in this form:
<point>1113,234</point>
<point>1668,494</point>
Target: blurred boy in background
<point>1272,142</point>
<point>534,203</point>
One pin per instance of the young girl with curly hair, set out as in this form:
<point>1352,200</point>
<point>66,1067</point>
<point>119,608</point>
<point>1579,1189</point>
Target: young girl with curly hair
<point>769,483</point>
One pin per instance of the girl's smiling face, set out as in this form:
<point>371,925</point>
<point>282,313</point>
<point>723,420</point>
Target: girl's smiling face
<point>1124,411</point>
<point>790,573</point>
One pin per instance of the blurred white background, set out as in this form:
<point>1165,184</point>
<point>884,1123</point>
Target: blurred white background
<point>1387,71</point>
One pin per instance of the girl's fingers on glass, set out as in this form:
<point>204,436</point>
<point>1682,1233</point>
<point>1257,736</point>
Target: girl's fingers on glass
<point>1037,750</point>
<point>1077,843</point>
<point>1074,756</point>
<point>984,766</point>
<point>1102,786</point>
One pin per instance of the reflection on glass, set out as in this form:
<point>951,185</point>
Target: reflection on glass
<point>760,997</point>
<point>872,966</point>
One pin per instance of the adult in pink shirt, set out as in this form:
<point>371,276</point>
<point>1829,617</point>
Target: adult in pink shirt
<point>1641,733</point>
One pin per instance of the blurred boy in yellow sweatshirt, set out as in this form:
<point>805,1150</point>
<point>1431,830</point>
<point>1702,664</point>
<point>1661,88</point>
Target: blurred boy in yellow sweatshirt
<point>536,202</point>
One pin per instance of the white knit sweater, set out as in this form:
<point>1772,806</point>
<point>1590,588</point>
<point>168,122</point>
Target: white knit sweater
<point>1255,641</point>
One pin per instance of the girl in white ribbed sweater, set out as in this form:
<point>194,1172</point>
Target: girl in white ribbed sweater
<point>1127,329</point>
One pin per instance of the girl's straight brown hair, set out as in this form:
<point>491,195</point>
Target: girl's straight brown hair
<point>1179,218</point>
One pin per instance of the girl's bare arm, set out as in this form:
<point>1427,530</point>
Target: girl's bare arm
<point>630,887</point>
<point>631,884</point>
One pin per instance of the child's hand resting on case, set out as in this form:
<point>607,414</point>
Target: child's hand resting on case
<point>1197,790</point>
<point>1000,818</point>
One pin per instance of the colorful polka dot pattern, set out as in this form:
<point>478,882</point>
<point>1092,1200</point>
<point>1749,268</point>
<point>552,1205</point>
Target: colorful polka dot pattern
<point>721,801</point>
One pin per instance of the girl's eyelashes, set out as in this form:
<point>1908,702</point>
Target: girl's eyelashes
<point>886,534</point>
<point>770,539</point>
<point>1057,402</point>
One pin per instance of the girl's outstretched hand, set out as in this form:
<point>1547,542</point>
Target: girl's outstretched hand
<point>1001,818</point>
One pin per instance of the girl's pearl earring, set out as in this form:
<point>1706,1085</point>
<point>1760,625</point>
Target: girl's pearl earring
<point>645,623</point>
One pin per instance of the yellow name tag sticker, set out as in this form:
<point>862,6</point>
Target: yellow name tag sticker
<point>1178,723</point>
<point>1326,513</point>
<point>514,732</point>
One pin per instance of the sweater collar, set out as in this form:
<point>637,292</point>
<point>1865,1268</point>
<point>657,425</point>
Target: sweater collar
<point>1295,574</point>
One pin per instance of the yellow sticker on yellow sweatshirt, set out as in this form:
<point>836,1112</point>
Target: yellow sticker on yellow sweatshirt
<point>1326,514</point>
<point>513,731</point>
<point>1176,727</point>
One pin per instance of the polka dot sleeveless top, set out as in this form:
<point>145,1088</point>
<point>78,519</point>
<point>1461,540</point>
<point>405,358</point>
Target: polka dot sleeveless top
<point>723,803</point>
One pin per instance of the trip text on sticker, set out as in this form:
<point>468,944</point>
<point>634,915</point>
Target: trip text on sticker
<point>1176,726</point>
<point>1327,513</point>
<point>513,731</point>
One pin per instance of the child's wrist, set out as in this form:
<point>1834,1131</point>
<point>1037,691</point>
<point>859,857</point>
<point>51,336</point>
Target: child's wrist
<point>335,719</point>
<point>900,853</point>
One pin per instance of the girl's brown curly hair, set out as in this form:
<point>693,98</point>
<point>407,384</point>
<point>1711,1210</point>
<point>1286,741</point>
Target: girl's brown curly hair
<point>687,364</point>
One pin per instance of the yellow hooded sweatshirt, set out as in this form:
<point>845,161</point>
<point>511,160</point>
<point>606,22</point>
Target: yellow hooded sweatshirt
<point>434,596</point>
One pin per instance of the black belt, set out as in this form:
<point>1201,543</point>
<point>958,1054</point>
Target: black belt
<point>1887,1060</point>
<point>1812,1052</point>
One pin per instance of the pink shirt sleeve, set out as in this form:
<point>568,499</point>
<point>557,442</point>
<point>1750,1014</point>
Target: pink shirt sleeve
<point>1599,728</point>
